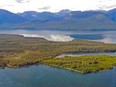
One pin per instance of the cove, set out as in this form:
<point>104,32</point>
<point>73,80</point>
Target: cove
<point>46,76</point>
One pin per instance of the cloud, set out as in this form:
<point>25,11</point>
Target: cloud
<point>106,4</point>
<point>22,1</point>
<point>106,7</point>
<point>2,6</point>
<point>44,8</point>
<point>56,5</point>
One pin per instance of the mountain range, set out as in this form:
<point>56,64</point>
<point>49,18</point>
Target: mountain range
<point>62,20</point>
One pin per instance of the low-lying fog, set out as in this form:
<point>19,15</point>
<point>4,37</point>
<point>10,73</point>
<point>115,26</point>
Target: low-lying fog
<point>53,35</point>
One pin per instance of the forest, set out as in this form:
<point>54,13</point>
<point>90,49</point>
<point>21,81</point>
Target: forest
<point>83,64</point>
<point>17,51</point>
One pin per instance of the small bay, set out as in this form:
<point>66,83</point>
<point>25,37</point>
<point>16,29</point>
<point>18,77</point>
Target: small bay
<point>46,76</point>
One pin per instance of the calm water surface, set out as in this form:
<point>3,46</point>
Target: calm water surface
<point>45,76</point>
<point>85,54</point>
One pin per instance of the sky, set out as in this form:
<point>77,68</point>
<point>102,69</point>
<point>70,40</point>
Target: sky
<point>56,5</point>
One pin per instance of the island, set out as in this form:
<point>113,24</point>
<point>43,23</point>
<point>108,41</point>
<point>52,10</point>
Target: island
<point>83,64</point>
<point>17,51</point>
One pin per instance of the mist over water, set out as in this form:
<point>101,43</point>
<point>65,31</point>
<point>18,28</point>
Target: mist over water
<point>54,35</point>
<point>109,38</point>
<point>49,35</point>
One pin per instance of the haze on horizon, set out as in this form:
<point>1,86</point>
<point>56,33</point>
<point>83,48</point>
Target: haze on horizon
<point>56,5</point>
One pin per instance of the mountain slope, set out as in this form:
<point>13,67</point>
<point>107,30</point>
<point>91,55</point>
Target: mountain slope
<point>96,22</point>
<point>33,15</point>
<point>8,17</point>
<point>112,14</point>
<point>63,20</point>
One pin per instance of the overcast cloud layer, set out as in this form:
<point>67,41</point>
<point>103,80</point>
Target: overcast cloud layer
<point>56,5</point>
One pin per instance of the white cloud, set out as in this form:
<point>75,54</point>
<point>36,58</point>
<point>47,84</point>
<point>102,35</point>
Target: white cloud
<point>56,5</point>
<point>44,8</point>
<point>22,1</point>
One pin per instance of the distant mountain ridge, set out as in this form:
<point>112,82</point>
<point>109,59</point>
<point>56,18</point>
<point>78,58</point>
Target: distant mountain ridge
<point>62,20</point>
<point>9,17</point>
